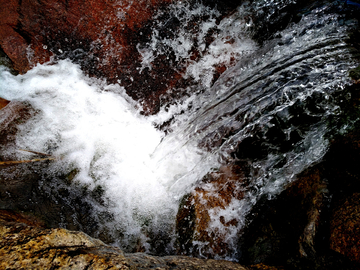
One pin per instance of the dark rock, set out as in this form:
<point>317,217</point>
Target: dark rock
<point>355,73</point>
<point>345,228</point>
<point>28,186</point>
<point>262,266</point>
<point>286,226</point>
<point>11,115</point>
<point>314,223</point>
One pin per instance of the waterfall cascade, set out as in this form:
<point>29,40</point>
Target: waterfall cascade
<point>270,109</point>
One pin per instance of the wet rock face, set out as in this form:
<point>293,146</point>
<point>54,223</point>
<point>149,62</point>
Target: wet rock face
<point>101,36</point>
<point>314,223</point>
<point>26,186</point>
<point>344,175</point>
<point>194,222</point>
<point>345,228</point>
<point>104,37</point>
<point>24,245</point>
<point>286,226</point>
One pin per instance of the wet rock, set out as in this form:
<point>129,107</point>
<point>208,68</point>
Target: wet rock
<point>345,228</point>
<point>291,231</point>
<point>12,43</point>
<point>199,218</point>
<point>100,36</point>
<point>262,266</point>
<point>3,103</point>
<point>314,223</point>
<point>105,38</point>
<point>286,226</point>
<point>343,174</point>
<point>11,115</point>
<point>355,73</point>
<point>29,185</point>
<point>23,245</point>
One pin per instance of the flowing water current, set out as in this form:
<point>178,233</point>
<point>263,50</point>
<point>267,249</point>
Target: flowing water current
<point>271,107</point>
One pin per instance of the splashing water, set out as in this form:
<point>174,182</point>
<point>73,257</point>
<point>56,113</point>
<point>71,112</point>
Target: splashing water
<point>96,129</point>
<point>82,121</point>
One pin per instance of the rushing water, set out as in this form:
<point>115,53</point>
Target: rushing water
<point>271,108</point>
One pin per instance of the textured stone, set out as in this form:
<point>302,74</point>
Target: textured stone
<point>287,226</point>
<point>3,103</point>
<point>22,185</point>
<point>345,228</point>
<point>11,115</point>
<point>28,247</point>
<point>216,191</point>
<point>103,37</point>
<point>342,168</point>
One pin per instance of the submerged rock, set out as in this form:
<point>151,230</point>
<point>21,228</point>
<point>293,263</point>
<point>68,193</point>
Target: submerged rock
<point>23,245</point>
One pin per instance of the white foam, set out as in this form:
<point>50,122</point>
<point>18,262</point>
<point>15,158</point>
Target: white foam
<point>102,135</point>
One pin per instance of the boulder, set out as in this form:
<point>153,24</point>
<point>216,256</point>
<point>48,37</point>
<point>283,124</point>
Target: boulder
<point>24,245</point>
<point>314,223</point>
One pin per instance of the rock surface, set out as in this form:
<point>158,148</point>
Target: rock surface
<point>314,223</point>
<point>104,37</point>
<point>26,186</point>
<point>22,245</point>
<point>3,103</point>
<point>215,193</point>
<point>345,228</point>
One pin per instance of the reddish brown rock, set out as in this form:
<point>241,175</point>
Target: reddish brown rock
<point>345,228</point>
<point>216,191</point>
<point>101,36</point>
<point>3,103</point>
<point>13,44</point>
<point>12,216</point>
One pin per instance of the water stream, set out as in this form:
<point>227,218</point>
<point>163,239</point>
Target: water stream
<point>271,108</point>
